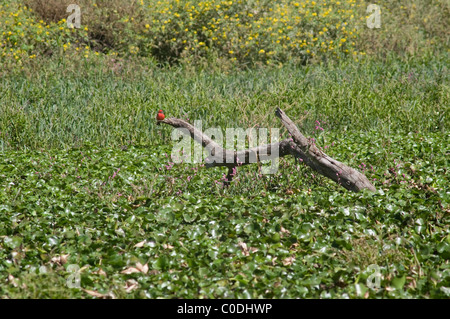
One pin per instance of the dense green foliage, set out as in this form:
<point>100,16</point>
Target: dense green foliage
<point>217,32</point>
<point>64,104</point>
<point>285,235</point>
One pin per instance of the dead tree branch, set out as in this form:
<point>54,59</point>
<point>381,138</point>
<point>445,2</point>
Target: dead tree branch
<point>298,146</point>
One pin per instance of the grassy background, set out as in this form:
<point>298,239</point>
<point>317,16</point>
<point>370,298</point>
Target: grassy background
<point>108,107</point>
<point>86,178</point>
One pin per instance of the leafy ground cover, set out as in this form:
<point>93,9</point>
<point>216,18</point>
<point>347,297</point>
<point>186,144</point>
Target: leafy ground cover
<point>286,235</point>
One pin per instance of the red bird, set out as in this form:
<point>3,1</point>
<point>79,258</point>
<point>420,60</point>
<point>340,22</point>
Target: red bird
<point>160,115</point>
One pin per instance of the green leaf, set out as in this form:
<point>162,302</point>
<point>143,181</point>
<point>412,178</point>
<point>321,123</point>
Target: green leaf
<point>398,282</point>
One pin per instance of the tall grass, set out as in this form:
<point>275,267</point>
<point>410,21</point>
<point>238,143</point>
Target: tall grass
<point>114,103</point>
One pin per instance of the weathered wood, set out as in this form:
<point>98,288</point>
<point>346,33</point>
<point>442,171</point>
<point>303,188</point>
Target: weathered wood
<point>298,146</point>
<point>342,174</point>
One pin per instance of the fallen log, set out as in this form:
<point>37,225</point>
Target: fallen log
<point>298,146</point>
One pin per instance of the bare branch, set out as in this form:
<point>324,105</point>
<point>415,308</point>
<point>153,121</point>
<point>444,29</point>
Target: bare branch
<point>299,146</point>
<point>346,176</point>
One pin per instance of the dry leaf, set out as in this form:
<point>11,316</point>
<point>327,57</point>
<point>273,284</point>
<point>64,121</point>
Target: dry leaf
<point>99,295</point>
<point>285,231</point>
<point>130,270</point>
<point>140,244</point>
<point>93,293</point>
<point>167,246</point>
<point>55,260</point>
<point>288,261</point>
<point>131,285</point>
<point>413,283</point>
<point>142,268</point>
<point>99,272</point>
<point>84,267</point>
<point>244,248</point>
<point>274,261</point>
<point>139,268</point>
<point>64,258</point>
<point>60,260</point>
<point>242,245</point>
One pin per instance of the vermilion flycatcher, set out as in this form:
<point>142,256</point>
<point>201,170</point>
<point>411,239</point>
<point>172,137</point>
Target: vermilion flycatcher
<point>160,115</point>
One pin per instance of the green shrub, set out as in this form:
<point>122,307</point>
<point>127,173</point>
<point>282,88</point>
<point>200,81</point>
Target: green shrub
<point>236,33</point>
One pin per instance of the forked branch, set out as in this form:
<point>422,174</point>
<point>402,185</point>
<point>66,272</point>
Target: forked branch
<point>298,146</point>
